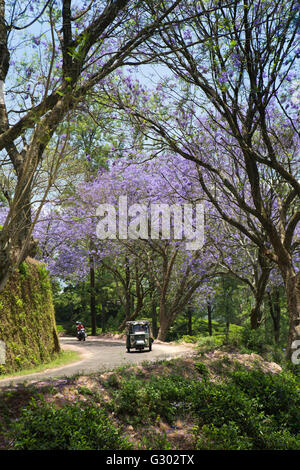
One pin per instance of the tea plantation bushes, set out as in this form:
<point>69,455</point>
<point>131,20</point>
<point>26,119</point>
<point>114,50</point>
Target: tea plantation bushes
<point>278,394</point>
<point>248,409</point>
<point>236,408</point>
<point>73,427</point>
<point>142,402</point>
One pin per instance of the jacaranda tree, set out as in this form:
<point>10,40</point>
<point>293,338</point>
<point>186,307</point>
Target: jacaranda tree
<point>238,65</point>
<point>52,54</point>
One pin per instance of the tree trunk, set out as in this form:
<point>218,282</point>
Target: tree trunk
<point>256,313</point>
<point>190,320</point>
<point>103,318</point>
<point>154,319</point>
<point>164,327</point>
<point>154,312</point>
<point>132,317</point>
<point>209,318</point>
<point>131,305</point>
<point>93,296</point>
<point>16,241</point>
<point>256,316</point>
<point>292,285</point>
<point>227,329</point>
<point>274,308</point>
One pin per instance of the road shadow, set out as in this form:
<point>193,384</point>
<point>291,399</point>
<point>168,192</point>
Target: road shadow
<point>142,351</point>
<point>92,343</point>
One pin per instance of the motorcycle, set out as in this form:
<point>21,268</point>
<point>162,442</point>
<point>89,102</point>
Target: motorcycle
<point>81,334</point>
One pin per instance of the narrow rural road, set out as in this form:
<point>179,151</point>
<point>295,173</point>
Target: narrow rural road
<point>99,354</point>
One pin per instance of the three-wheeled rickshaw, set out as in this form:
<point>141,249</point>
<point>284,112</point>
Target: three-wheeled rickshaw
<point>138,335</point>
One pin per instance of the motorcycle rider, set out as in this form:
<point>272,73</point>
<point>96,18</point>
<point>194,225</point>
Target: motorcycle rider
<point>79,326</point>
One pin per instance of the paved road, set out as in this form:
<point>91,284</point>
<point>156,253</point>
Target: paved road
<point>100,355</point>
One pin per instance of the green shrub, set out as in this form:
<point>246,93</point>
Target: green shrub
<point>235,336</point>
<point>73,427</point>
<point>113,381</point>
<point>60,330</point>
<point>23,270</point>
<point>252,410</point>
<point>226,437</point>
<point>208,343</point>
<point>202,369</point>
<point>144,401</point>
<point>254,340</point>
<point>279,394</point>
<point>190,339</point>
<point>229,437</point>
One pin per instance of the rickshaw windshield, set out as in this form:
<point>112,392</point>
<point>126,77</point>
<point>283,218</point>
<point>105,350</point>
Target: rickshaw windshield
<point>140,329</point>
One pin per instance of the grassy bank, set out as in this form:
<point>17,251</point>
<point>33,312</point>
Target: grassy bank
<point>62,358</point>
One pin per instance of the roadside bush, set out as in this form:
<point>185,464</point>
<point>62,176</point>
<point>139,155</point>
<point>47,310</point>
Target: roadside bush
<point>189,338</point>
<point>253,340</point>
<point>250,410</point>
<point>228,437</point>
<point>279,394</point>
<point>202,369</point>
<point>73,427</point>
<point>60,330</point>
<point>254,410</point>
<point>144,401</point>
<point>235,336</point>
<point>208,343</point>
